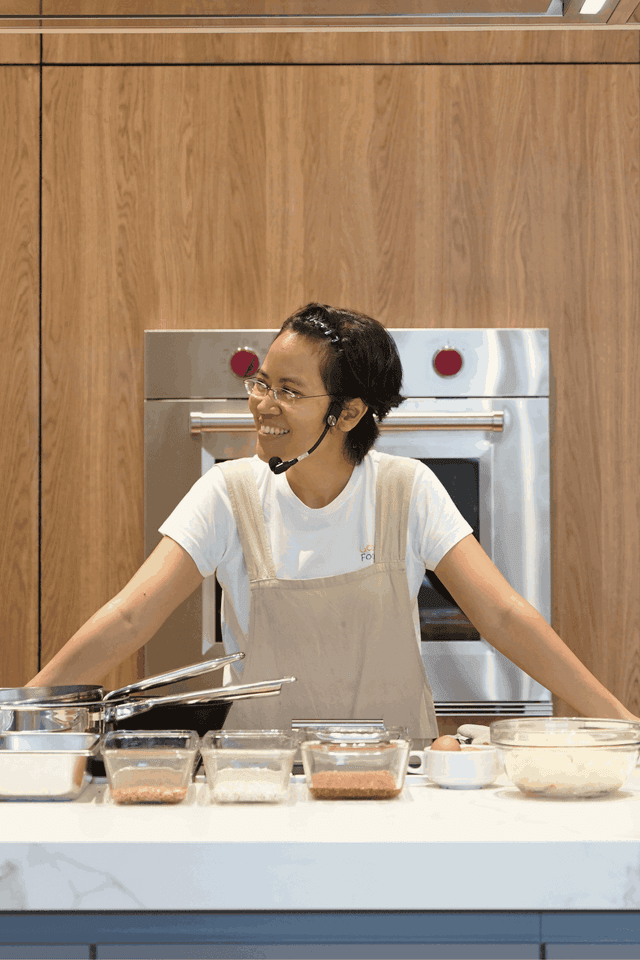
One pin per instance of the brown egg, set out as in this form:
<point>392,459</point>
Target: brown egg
<point>446,743</point>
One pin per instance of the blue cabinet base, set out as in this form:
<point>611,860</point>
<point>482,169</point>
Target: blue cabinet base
<point>348,935</point>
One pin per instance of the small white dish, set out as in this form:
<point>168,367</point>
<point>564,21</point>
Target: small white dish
<point>470,768</point>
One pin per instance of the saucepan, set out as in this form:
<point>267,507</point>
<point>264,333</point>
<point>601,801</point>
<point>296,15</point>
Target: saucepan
<point>89,709</point>
<point>89,693</point>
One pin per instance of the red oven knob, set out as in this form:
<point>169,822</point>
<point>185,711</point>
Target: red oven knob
<point>244,362</point>
<point>447,362</point>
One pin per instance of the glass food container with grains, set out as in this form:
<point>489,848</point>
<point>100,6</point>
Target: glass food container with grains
<point>248,766</point>
<point>352,764</point>
<point>150,766</point>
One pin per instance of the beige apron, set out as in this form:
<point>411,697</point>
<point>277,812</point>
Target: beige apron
<point>349,640</point>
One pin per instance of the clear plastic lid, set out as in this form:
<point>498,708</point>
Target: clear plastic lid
<point>360,736</point>
<point>151,740</point>
<point>249,740</point>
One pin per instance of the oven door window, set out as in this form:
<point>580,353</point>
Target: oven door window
<point>440,617</point>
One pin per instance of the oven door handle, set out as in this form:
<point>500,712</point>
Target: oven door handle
<point>396,420</point>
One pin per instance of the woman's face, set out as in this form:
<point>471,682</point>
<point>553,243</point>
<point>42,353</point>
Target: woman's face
<point>293,361</point>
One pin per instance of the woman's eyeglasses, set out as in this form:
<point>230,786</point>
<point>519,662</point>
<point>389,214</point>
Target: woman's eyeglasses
<point>282,395</point>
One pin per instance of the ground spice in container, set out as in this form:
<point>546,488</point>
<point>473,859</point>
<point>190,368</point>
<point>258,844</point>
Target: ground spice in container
<point>149,794</point>
<point>159,778</point>
<point>353,785</point>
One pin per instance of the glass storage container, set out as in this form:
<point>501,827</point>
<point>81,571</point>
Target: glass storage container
<point>248,766</point>
<point>567,757</point>
<point>150,766</point>
<point>352,764</point>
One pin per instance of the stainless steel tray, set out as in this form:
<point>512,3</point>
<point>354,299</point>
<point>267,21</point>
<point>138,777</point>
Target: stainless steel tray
<point>45,766</point>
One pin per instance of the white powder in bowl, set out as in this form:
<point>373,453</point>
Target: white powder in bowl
<point>553,769</point>
<point>250,785</point>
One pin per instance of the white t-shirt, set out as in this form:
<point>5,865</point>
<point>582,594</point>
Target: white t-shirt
<point>305,542</point>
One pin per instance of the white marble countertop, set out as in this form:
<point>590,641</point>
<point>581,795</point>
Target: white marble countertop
<point>428,849</point>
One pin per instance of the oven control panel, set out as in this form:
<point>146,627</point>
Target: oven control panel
<point>436,362</point>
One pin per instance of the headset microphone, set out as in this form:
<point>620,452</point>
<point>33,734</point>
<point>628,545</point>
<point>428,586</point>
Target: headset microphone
<point>276,464</point>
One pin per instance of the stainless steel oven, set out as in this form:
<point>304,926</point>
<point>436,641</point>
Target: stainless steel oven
<point>477,414</point>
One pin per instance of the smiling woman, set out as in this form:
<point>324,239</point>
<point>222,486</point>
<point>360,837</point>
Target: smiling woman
<point>322,353</point>
<point>301,596</point>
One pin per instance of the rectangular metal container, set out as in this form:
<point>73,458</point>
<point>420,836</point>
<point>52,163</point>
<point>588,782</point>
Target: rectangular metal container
<point>45,766</point>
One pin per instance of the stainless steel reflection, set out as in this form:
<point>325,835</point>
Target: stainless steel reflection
<point>40,719</point>
<point>113,712</point>
<point>173,676</point>
<point>493,412</point>
<point>91,694</point>
<point>221,422</point>
<point>37,766</point>
<point>74,693</point>
<point>99,716</point>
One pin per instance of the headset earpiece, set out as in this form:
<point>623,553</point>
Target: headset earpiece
<point>333,413</point>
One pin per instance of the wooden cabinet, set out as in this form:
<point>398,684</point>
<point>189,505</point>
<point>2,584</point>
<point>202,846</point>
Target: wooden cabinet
<point>19,353</point>
<point>479,178</point>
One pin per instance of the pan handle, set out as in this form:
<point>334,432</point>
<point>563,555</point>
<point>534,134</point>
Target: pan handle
<point>162,679</point>
<point>265,688</point>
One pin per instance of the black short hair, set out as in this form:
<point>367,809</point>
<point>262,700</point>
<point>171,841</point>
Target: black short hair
<point>360,360</point>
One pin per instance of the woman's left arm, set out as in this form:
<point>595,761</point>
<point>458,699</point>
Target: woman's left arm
<point>517,630</point>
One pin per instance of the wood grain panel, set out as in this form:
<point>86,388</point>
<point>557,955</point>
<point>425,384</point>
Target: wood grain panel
<point>19,8</point>
<point>595,460</point>
<point>19,48</point>
<point>95,280</point>
<point>489,196</point>
<point>287,8</point>
<point>461,45</point>
<point>19,384</point>
<point>291,8</point>
<point>622,13</point>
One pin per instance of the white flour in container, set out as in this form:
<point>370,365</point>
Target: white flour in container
<point>249,785</point>
<point>567,772</point>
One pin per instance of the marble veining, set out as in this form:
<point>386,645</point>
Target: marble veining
<point>403,854</point>
<point>13,895</point>
<point>41,875</point>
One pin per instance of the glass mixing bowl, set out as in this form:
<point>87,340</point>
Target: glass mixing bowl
<point>567,757</point>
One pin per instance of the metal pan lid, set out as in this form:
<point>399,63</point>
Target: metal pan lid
<point>59,695</point>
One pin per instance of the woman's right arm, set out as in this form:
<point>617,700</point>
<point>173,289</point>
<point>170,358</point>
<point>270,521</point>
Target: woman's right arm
<point>128,621</point>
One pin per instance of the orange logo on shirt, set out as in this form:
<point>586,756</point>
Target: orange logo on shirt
<point>366,553</point>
